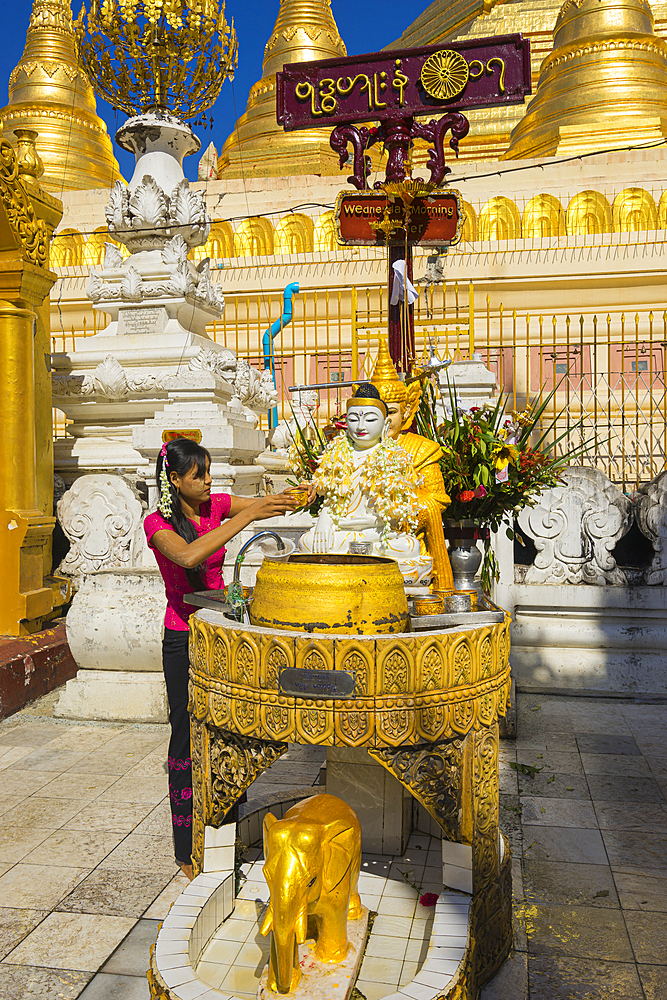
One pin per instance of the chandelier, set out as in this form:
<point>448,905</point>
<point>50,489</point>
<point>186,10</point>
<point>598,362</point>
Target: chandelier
<point>164,55</point>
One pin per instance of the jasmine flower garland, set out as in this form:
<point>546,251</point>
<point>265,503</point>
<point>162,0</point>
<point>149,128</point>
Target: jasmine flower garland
<point>388,479</point>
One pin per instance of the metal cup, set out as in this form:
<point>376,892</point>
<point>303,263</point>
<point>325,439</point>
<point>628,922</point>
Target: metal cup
<point>300,494</point>
<point>428,604</point>
<point>473,597</point>
<point>360,548</point>
<point>458,603</point>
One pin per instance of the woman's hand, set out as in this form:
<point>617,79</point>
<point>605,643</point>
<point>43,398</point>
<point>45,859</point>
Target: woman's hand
<point>273,505</point>
<point>312,494</point>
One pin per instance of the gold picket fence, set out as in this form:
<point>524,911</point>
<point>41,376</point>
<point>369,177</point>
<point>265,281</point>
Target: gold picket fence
<point>608,370</point>
<point>609,374</point>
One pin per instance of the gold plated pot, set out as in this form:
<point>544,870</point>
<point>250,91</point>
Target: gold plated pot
<point>342,594</point>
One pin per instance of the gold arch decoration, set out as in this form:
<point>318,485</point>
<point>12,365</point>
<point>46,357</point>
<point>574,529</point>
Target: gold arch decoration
<point>634,209</point>
<point>499,219</point>
<point>543,216</point>
<point>588,214</point>
<point>662,211</point>
<point>469,231</point>
<point>219,245</point>
<point>445,74</point>
<point>93,250</point>
<point>253,238</point>
<point>324,236</point>
<point>67,249</point>
<point>294,234</point>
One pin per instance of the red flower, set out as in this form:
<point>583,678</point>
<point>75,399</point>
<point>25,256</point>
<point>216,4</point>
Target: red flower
<point>466,495</point>
<point>429,899</point>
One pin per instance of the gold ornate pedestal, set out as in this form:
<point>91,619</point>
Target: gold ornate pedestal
<point>425,705</point>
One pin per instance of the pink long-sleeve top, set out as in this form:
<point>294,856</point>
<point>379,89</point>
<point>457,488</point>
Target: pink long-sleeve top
<point>211,515</point>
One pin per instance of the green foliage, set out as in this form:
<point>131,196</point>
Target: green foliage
<point>490,468</point>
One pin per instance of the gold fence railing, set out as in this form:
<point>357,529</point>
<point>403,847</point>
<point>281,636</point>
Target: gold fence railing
<point>444,324</point>
<point>609,375</point>
<point>609,369</point>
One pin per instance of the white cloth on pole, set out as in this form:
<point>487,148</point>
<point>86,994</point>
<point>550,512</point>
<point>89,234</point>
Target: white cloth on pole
<point>399,283</point>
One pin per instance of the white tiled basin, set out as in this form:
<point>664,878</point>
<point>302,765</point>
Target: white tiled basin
<point>208,950</point>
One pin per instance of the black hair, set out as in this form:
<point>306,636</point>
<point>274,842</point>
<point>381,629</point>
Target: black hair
<point>182,455</point>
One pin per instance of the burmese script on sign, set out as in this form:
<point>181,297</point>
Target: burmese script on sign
<point>385,86</point>
<point>431,221</point>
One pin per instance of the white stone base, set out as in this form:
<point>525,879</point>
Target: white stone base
<point>588,640</point>
<point>114,696</point>
<point>325,980</point>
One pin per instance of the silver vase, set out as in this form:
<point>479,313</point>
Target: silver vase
<point>464,555</point>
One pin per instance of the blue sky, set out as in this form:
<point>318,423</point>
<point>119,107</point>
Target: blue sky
<point>365,27</point>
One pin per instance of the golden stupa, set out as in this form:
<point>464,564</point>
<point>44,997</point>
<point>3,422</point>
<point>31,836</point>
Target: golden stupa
<point>459,20</point>
<point>258,147</point>
<point>50,93</point>
<point>604,84</point>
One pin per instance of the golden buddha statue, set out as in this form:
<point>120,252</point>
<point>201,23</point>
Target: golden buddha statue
<point>402,402</point>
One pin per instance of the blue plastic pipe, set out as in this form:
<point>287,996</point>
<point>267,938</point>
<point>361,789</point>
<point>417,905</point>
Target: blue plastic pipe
<point>269,336</point>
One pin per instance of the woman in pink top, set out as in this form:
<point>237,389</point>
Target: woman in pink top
<point>188,534</point>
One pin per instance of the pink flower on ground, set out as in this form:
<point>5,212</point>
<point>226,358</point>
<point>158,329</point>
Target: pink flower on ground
<point>480,492</point>
<point>429,899</point>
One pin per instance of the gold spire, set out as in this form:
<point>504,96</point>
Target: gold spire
<point>385,377</point>
<point>304,30</point>
<point>603,84</point>
<point>50,93</point>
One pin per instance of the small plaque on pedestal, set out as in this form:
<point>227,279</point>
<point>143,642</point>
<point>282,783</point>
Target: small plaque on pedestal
<point>143,320</point>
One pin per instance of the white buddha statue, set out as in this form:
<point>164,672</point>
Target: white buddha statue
<point>369,487</point>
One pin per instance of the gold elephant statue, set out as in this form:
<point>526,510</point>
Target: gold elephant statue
<point>313,857</point>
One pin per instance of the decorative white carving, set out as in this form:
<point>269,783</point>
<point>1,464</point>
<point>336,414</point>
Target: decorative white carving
<point>101,516</point>
<point>150,217</point>
<point>118,209</point>
<point>575,527</point>
<point>110,380</point>
<point>148,206</point>
<point>133,280</point>
<point>304,405</point>
<point>175,252</point>
<point>651,514</point>
<point>130,286</point>
<point>112,256</point>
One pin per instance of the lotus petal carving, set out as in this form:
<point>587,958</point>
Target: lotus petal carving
<point>110,379</point>
<point>113,258</point>
<point>182,281</point>
<point>149,205</point>
<point>118,209</point>
<point>130,286</point>
<point>175,252</point>
<point>94,286</point>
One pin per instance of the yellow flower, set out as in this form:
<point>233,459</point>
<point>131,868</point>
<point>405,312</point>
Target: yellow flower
<point>503,454</point>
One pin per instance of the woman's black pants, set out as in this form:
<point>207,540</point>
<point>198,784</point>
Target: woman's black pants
<point>176,664</point>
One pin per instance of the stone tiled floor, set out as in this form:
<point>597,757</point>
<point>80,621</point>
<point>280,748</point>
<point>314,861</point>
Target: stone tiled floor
<point>589,835</point>
<point>86,867</point>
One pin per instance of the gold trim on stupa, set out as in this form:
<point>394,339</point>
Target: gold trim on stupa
<point>465,20</point>
<point>604,84</point>
<point>258,147</point>
<point>50,93</point>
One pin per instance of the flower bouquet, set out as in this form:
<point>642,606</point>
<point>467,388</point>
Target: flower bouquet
<point>490,466</point>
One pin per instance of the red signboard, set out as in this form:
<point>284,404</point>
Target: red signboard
<point>397,84</point>
<point>433,220</point>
